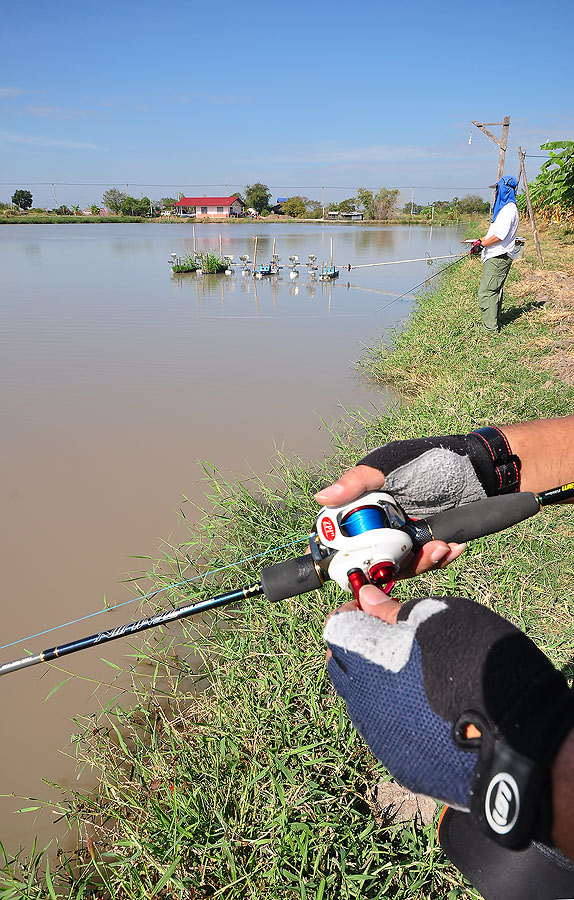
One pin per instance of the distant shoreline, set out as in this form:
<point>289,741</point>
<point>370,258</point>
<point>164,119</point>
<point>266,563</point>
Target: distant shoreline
<point>180,220</point>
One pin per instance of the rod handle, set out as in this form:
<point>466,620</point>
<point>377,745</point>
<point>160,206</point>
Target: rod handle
<point>474,520</point>
<point>290,578</point>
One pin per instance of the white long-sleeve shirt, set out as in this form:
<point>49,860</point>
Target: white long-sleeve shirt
<point>505,227</point>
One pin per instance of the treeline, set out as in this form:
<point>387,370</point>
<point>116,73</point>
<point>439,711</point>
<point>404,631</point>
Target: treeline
<point>373,205</point>
<point>469,205</point>
<point>113,201</point>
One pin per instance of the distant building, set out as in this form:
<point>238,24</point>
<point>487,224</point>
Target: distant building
<point>209,207</point>
<point>345,216</point>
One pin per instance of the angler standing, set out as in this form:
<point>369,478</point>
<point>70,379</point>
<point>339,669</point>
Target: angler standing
<point>497,250</point>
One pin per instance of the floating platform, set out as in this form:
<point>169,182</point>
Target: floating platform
<point>329,272</point>
<point>263,269</point>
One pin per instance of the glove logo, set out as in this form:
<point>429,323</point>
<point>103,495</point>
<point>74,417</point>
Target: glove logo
<point>502,803</point>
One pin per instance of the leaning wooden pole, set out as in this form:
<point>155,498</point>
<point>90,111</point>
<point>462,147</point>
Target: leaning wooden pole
<point>521,155</point>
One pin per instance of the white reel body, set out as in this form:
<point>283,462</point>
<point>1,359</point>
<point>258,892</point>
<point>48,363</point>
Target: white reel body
<point>380,547</point>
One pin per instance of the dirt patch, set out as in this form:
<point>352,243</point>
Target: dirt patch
<point>395,804</point>
<point>554,291</point>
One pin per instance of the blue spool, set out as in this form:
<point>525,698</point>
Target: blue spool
<point>366,519</point>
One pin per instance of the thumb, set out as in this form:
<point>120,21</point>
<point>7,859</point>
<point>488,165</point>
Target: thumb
<point>378,604</point>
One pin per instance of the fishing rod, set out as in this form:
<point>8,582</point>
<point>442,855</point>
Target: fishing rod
<point>420,284</point>
<point>363,542</point>
<point>397,262</point>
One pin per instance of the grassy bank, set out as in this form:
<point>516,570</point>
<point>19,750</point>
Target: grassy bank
<point>68,220</point>
<point>240,776</point>
<point>31,219</point>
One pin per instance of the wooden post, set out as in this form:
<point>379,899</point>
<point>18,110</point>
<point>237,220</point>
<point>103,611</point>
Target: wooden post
<point>255,253</point>
<point>521,155</point>
<point>331,250</point>
<point>502,143</point>
<point>194,245</point>
<point>220,247</point>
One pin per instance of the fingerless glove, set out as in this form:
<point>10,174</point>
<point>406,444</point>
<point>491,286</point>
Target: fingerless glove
<point>430,474</point>
<point>412,689</point>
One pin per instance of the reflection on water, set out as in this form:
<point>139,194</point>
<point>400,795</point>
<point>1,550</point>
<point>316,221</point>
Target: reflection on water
<point>117,379</point>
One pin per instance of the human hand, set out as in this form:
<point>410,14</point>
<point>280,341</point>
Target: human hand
<point>476,248</point>
<point>457,703</point>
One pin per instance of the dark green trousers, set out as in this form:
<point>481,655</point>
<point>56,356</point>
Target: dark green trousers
<point>494,272</point>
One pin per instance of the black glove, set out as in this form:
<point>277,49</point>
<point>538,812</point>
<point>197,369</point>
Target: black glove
<point>413,688</point>
<point>476,248</point>
<point>430,474</point>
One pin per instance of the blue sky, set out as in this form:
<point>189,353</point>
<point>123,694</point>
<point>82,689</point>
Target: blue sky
<point>209,97</point>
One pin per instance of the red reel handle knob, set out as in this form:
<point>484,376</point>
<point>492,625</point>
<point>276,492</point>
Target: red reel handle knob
<point>357,579</point>
<point>382,575</point>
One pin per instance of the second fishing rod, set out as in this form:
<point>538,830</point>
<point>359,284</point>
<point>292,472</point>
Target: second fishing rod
<point>367,541</point>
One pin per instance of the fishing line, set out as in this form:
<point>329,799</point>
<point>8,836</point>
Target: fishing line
<point>341,315</point>
<point>440,271</point>
<point>153,593</point>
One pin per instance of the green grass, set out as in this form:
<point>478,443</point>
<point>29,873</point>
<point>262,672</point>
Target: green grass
<point>187,263</point>
<point>238,774</point>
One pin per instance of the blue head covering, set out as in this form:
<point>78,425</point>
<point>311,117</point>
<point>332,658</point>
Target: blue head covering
<point>505,193</point>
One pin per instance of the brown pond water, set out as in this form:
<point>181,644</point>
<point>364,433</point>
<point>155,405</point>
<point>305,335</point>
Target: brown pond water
<point>116,380</point>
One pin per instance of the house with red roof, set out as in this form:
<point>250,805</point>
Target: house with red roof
<point>209,207</point>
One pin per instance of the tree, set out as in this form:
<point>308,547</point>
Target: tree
<point>385,201</point>
<point>112,200</point>
<point>414,208</point>
<point>347,206</point>
<point>95,209</point>
<point>380,205</point>
<point>22,199</point>
<point>553,189</point>
<point>473,203</point>
<point>75,210</point>
<point>132,206</point>
<point>294,207</point>
<point>365,200</point>
<point>257,196</point>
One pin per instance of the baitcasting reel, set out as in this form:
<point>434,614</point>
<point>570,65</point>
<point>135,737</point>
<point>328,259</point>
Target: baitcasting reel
<point>363,542</point>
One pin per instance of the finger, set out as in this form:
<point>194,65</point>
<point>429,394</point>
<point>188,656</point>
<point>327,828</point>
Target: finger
<point>351,485</point>
<point>434,555</point>
<point>377,604</point>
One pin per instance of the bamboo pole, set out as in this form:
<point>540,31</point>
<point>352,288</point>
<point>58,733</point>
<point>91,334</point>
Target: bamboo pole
<point>521,155</point>
<point>194,244</point>
<point>255,253</point>
<point>220,247</point>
